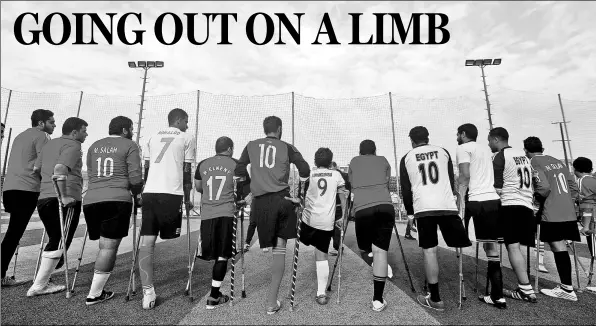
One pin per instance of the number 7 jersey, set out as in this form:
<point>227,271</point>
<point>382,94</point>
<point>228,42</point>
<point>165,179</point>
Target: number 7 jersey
<point>513,175</point>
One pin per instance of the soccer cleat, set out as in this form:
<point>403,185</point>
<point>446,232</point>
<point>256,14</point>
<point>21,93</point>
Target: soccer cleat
<point>246,247</point>
<point>425,301</point>
<point>322,299</point>
<point>105,296</point>
<point>48,289</point>
<point>501,304</point>
<point>542,269</point>
<point>149,300</point>
<point>10,282</point>
<point>591,289</point>
<point>379,306</point>
<point>519,294</point>
<point>409,237</point>
<point>213,303</point>
<point>273,310</point>
<point>557,292</point>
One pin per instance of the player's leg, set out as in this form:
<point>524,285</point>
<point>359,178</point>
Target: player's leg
<point>363,226</point>
<point>556,234</point>
<point>336,233</point>
<point>219,247</point>
<point>384,220</point>
<point>321,240</point>
<point>149,231</point>
<point>409,229</point>
<point>252,226</point>
<point>428,241</point>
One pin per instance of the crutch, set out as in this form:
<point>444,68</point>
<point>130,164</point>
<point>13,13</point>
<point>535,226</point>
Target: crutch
<point>593,247</point>
<point>190,259</point>
<point>536,263</point>
<point>242,250</point>
<point>341,251</point>
<point>198,253</point>
<point>74,281</point>
<point>460,255</point>
<point>14,267</point>
<point>43,235</point>
<point>135,256</point>
<point>296,249</point>
<point>134,236</point>
<point>63,240</point>
<point>401,248</point>
<point>576,260</point>
<point>232,273</point>
<point>343,231</point>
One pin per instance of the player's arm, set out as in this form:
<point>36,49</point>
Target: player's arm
<point>541,184</point>
<point>342,192</point>
<point>146,157</point>
<point>388,173</point>
<point>451,174</point>
<point>241,170</point>
<point>40,142</point>
<point>573,188</point>
<point>463,161</point>
<point>499,169</point>
<point>199,178</point>
<point>406,187</point>
<point>67,160</point>
<point>297,159</point>
<point>133,163</point>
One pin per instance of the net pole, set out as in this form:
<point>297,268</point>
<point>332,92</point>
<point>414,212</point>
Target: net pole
<point>7,106</point>
<point>294,182</point>
<point>80,101</point>
<point>394,143</point>
<point>196,136</point>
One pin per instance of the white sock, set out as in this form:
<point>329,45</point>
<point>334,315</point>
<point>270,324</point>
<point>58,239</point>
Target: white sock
<point>149,290</point>
<point>99,281</point>
<point>322,276</point>
<point>46,267</point>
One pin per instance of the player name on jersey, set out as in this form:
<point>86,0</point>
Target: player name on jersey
<point>427,156</point>
<point>556,166</point>
<point>521,160</point>
<point>169,132</point>
<point>315,175</point>
<point>218,168</point>
<point>105,150</point>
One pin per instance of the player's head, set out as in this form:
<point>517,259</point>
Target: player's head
<point>333,165</point>
<point>75,128</point>
<point>581,166</point>
<point>498,138</point>
<point>224,145</point>
<point>533,146</point>
<point>323,158</point>
<point>44,120</point>
<point>178,118</point>
<point>368,147</point>
<point>466,133</point>
<point>2,135</point>
<point>272,126</point>
<point>418,136</point>
<point>121,126</point>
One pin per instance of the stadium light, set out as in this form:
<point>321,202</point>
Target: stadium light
<point>468,63</point>
<point>142,64</point>
<point>487,62</point>
<point>159,64</point>
<point>132,64</point>
<point>150,64</point>
<point>483,63</point>
<point>496,62</point>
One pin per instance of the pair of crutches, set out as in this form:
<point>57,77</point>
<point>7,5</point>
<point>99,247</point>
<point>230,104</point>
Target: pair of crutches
<point>343,231</point>
<point>240,211</point>
<point>131,288</point>
<point>301,190</point>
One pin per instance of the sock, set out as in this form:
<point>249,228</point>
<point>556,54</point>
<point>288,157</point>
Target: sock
<point>146,265</point>
<point>379,287</point>
<point>278,267</point>
<point>219,273</point>
<point>496,277</point>
<point>148,290</point>
<point>46,267</point>
<point>99,281</point>
<point>434,292</point>
<point>563,262</point>
<point>526,288</point>
<point>322,276</point>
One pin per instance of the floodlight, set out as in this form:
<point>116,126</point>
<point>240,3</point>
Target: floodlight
<point>142,64</point>
<point>150,64</point>
<point>497,62</point>
<point>469,62</point>
<point>476,62</point>
<point>159,64</point>
<point>486,62</point>
<point>132,64</point>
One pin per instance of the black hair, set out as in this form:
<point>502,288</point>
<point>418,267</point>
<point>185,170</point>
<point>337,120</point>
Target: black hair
<point>470,130</point>
<point>72,124</point>
<point>500,133</point>
<point>323,157</point>
<point>222,144</point>
<point>419,135</point>
<point>40,115</point>
<point>119,123</point>
<point>270,124</point>
<point>582,165</point>
<point>175,115</point>
<point>533,145</point>
<point>368,147</point>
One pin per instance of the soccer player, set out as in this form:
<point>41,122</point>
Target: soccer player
<point>168,157</point>
<point>339,209</point>
<point>114,170</point>
<point>428,187</point>
<point>61,158</point>
<point>21,184</point>
<point>513,182</point>
<point>476,174</point>
<point>319,218</point>
<point>582,167</point>
<point>369,176</point>
<point>270,160</point>
<point>556,191</point>
<point>214,180</point>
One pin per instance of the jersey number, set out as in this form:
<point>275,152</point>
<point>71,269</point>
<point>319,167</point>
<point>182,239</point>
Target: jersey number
<point>210,185</point>
<point>108,164</point>
<point>561,183</point>
<point>433,172</point>
<point>267,154</point>
<point>524,177</point>
<point>167,141</point>
<point>322,184</point>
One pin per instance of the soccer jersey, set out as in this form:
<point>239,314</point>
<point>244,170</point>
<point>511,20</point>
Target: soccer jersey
<point>167,151</point>
<point>113,165</point>
<point>369,177</point>
<point>65,151</point>
<point>270,160</point>
<point>216,176</point>
<point>482,177</point>
<point>320,202</point>
<point>587,193</point>
<point>513,175</point>
<point>555,187</point>
<point>427,182</point>
<point>26,149</point>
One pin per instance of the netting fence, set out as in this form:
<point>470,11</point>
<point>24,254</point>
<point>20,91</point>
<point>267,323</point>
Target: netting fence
<point>310,123</point>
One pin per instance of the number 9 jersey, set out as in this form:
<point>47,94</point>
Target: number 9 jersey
<point>513,175</point>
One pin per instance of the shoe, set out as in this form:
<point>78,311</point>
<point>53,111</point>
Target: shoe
<point>501,304</point>
<point>557,292</point>
<point>105,296</point>
<point>265,249</point>
<point>273,310</point>
<point>48,289</point>
<point>370,254</point>
<point>333,252</point>
<point>213,303</point>
<point>542,269</point>
<point>8,281</point>
<point>409,237</point>
<point>414,229</point>
<point>149,300</point>
<point>519,294</point>
<point>425,301</point>
<point>246,247</point>
<point>379,306</point>
<point>591,289</point>
<point>322,299</point>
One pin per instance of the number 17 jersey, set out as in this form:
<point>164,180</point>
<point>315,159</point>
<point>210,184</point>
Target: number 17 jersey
<point>513,175</point>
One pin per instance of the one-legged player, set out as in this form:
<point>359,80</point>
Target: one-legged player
<point>114,165</point>
<point>558,223</point>
<point>214,180</point>
<point>60,158</point>
<point>270,160</point>
<point>169,153</point>
<point>21,186</point>
<point>428,189</point>
<point>319,218</point>
<point>513,182</point>
<point>369,176</point>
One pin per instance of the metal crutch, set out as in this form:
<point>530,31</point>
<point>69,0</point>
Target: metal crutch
<point>63,240</point>
<point>74,281</point>
<point>242,250</point>
<point>14,267</point>
<point>536,263</point>
<point>401,248</point>
<point>342,236</point>
<point>190,259</point>
<point>43,235</point>
<point>135,256</point>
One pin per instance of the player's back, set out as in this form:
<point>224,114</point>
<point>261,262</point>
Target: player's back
<point>369,176</point>
<point>167,151</point>
<point>216,175</point>
<point>516,178</point>
<point>482,177</point>
<point>270,165</point>
<point>113,164</point>
<point>558,206</point>
<point>431,178</point>
<point>23,156</point>
<point>321,198</point>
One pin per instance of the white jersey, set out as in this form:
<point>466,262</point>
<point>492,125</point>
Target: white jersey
<point>427,181</point>
<point>482,178</point>
<point>319,206</point>
<point>513,175</point>
<point>167,151</point>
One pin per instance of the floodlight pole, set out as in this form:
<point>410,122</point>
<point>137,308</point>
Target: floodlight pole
<point>142,101</point>
<point>490,120</point>
<point>563,143</point>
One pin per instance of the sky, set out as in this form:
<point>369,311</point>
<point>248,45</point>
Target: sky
<point>544,47</point>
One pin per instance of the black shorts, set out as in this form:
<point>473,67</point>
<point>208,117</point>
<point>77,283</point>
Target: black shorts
<point>374,226</point>
<point>108,219</point>
<point>319,239</point>
<point>216,238</point>
<point>276,218</point>
<point>558,231</point>
<point>49,216</point>
<point>518,225</point>
<point>486,220</point>
<point>20,202</point>
<point>162,215</point>
<point>452,229</point>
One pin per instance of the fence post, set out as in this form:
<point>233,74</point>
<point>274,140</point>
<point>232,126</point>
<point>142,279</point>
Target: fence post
<point>394,143</point>
<point>296,186</point>
<point>196,138</point>
<point>80,101</point>
<point>7,105</point>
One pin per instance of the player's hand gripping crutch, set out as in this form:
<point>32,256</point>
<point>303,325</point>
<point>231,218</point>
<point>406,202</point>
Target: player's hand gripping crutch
<point>135,256</point>
<point>297,246</point>
<point>343,230</point>
<point>62,231</point>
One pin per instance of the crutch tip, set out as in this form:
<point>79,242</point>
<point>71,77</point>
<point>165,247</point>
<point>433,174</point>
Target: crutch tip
<point>191,299</point>
<point>185,292</point>
<point>243,294</point>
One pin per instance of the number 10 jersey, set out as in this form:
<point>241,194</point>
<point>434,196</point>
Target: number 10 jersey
<point>513,174</point>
